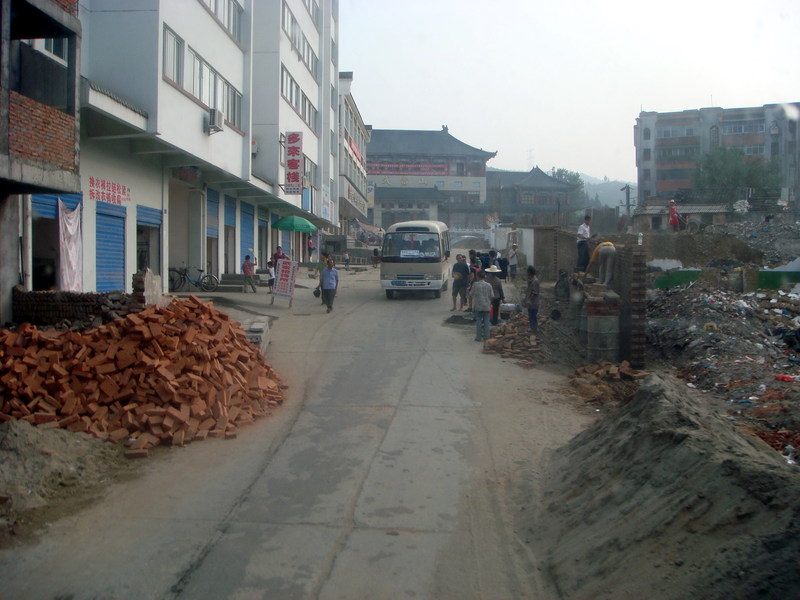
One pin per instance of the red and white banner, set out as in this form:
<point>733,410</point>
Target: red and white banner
<point>285,275</point>
<point>294,163</point>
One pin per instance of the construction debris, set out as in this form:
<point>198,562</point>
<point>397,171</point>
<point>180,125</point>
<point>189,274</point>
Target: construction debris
<point>164,375</point>
<point>513,339</point>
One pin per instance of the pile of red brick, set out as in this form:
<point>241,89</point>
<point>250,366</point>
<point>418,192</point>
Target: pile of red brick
<point>512,339</point>
<point>164,375</point>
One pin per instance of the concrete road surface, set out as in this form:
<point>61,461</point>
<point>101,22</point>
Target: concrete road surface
<point>388,474</point>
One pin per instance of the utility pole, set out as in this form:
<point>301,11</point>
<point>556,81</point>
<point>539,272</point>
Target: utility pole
<point>627,190</point>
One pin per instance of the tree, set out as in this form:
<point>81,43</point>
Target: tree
<point>578,194</point>
<point>727,174</point>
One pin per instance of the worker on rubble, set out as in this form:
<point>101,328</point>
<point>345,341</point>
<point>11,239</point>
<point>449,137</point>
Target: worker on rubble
<point>604,253</point>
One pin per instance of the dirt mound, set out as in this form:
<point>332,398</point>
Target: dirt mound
<point>39,466</point>
<point>664,498</point>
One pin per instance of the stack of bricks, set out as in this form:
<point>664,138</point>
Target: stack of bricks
<point>164,375</point>
<point>53,307</point>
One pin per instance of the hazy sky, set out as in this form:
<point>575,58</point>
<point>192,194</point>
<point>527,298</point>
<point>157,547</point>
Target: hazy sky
<point>560,83</point>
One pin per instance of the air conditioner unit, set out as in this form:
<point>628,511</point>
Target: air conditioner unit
<point>216,120</point>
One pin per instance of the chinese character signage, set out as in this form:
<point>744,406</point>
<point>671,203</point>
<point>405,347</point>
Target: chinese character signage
<point>285,275</point>
<point>103,190</point>
<point>294,163</point>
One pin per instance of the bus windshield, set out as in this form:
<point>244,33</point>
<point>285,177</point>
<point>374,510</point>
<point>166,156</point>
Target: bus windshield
<point>411,246</point>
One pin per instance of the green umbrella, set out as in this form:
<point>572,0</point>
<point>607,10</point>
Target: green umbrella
<point>294,223</point>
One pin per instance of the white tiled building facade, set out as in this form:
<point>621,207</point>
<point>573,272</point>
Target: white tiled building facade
<point>185,105</point>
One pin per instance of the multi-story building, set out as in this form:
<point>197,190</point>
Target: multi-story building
<point>426,175</point>
<point>40,45</point>
<point>669,145</point>
<point>353,139</point>
<point>184,117</point>
<point>295,90</point>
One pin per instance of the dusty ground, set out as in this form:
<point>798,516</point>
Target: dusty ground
<point>670,493</point>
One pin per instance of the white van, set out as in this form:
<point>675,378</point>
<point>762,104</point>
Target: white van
<point>416,258</point>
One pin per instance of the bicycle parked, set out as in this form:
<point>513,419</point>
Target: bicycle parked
<point>178,276</point>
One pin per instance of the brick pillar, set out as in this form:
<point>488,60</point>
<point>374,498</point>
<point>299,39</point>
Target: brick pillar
<point>638,307</point>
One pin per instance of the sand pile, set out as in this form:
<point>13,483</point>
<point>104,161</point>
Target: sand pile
<point>664,498</point>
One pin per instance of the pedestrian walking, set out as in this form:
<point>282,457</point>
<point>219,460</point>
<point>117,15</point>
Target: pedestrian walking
<point>584,235</point>
<point>497,292</point>
<point>346,259</point>
<point>513,261</point>
<point>321,265</point>
<point>271,275</point>
<point>249,271</point>
<point>329,283</point>
<point>460,281</point>
<point>481,295</point>
<point>376,257</point>
<point>531,301</point>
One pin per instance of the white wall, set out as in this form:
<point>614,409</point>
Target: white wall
<point>120,49</point>
<point>112,161</point>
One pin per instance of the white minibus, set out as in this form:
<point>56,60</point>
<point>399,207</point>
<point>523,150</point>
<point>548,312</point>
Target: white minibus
<point>416,258</point>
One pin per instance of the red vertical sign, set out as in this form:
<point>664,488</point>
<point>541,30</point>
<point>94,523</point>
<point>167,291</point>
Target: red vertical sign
<point>294,163</point>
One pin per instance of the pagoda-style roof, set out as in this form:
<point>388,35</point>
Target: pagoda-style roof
<point>401,142</point>
<point>497,179</point>
<point>539,180</point>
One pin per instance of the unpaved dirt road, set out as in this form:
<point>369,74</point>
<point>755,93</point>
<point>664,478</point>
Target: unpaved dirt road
<point>388,474</point>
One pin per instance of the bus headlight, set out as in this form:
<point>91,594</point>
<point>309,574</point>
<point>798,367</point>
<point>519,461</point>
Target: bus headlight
<point>388,276</point>
<point>433,276</point>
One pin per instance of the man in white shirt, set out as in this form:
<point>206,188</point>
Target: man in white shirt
<point>513,261</point>
<point>583,245</point>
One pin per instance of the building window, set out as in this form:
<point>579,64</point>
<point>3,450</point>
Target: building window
<point>674,132</point>
<point>300,43</point>
<point>57,47</point>
<point>736,127</point>
<point>646,133</point>
<point>646,175</point>
<point>714,135</point>
<point>214,91</point>
<point>229,14</point>
<point>173,56</point>
<point>646,154</point>
<point>312,6</point>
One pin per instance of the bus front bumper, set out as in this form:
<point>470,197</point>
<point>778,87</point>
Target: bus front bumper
<point>411,284</point>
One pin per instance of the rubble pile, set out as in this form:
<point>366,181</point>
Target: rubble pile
<point>606,382</point>
<point>742,347</point>
<point>776,241</point>
<point>513,339</point>
<point>164,375</point>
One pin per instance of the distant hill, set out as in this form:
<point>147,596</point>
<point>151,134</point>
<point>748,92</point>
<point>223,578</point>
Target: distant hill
<point>607,192</point>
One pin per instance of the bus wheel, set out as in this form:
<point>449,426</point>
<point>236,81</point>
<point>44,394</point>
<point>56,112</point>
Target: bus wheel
<point>389,294</point>
<point>437,293</point>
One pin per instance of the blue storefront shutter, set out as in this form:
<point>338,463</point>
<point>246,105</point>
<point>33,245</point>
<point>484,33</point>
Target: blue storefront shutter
<point>247,237</point>
<point>148,216</point>
<point>230,211</point>
<point>212,213</point>
<point>46,205</point>
<point>110,259</point>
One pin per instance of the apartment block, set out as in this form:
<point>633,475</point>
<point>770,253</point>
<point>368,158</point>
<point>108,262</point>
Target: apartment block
<point>670,144</point>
